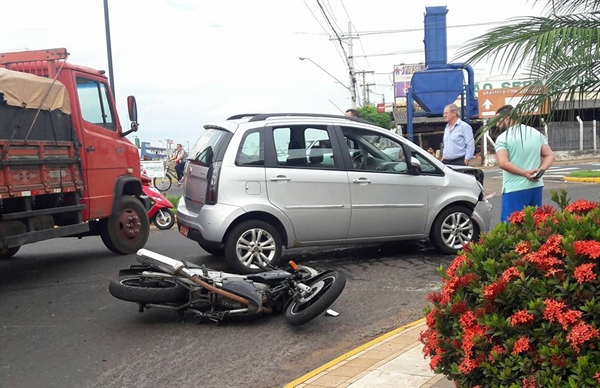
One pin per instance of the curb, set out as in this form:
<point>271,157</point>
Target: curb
<point>576,179</point>
<point>351,353</point>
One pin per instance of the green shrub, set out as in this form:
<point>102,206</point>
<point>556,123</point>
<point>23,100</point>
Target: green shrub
<point>521,307</point>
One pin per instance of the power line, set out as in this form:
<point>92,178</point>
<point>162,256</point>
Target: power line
<point>352,77</point>
<point>405,52</point>
<point>380,32</point>
<point>315,16</point>
<point>332,14</point>
<point>359,40</point>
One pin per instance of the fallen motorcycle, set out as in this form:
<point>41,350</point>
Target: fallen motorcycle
<point>165,283</point>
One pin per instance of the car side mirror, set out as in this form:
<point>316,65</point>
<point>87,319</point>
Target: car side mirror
<point>415,163</point>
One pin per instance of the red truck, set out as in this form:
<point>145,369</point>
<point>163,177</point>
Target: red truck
<point>67,168</point>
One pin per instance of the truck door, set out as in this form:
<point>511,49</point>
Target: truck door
<point>103,150</point>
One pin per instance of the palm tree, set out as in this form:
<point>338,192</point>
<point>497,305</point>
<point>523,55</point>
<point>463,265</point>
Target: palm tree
<point>559,51</point>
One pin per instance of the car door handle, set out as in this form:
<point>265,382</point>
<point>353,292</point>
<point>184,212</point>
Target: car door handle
<point>281,178</point>
<point>90,149</point>
<point>361,180</point>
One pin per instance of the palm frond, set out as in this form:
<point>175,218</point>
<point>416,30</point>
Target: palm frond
<point>557,7</point>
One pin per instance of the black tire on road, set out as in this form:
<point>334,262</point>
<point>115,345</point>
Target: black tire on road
<point>164,219</point>
<point>127,231</point>
<point>452,228</point>
<point>136,289</point>
<point>7,253</point>
<point>219,252</point>
<point>163,183</point>
<point>252,242</point>
<point>327,288</point>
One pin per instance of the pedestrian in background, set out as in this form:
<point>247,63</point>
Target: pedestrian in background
<point>179,159</point>
<point>352,113</point>
<point>523,153</point>
<point>459,146</point>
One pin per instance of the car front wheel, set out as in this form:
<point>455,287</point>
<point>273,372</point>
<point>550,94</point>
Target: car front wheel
<point>453,228</point>
<point>252,245</point>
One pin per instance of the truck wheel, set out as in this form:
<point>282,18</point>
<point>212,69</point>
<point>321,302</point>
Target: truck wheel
<point>7,253</point>
<point>126,231</point>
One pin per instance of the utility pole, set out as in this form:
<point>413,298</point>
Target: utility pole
<point>351,64</point>
<point>350,61</point>
<point>365,86</point>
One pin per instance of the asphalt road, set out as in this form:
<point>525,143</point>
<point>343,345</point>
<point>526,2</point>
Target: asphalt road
<point>59,326</point>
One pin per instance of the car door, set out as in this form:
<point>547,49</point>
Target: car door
<point>305,181</point>
<point>103,150</point>
<point>387,199</point>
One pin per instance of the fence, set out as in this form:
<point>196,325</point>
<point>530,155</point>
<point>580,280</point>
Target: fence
<point>576,136</point>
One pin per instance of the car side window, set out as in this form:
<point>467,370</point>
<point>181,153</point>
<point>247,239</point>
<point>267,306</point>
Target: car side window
<point>303,146</point>
<point>370,151</point>
<point>251,151</point>
<point>94,103</point>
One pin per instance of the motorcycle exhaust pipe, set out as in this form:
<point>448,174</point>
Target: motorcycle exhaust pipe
<point>162,262</point>
<point>178,268</point>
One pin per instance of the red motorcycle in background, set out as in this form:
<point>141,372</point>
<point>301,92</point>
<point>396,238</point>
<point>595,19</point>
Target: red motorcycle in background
<point>160,211</point>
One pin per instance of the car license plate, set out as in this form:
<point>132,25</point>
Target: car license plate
<point>183,229</point>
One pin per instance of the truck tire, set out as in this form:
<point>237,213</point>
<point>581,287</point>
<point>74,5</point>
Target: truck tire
<point>7,253</point>
<point>126,231</point>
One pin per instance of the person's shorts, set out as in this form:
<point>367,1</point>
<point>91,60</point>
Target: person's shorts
<point>517,200</point>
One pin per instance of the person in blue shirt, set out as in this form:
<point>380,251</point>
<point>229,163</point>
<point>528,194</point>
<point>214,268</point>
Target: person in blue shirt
<point>459,146</point>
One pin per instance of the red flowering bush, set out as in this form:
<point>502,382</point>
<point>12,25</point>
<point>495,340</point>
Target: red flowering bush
<point>521,307</point>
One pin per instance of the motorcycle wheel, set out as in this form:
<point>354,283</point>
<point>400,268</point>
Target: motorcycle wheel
<point>163,183</point>
<point>164,219</point>
<point>326,288</point>
<point>142,290</point>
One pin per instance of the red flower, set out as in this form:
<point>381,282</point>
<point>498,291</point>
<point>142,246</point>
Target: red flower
<point>569,318</point>
<point>467,319</point>
<point>541,260</point>
<point>521,317</point>
<point>459,307</point>
<point>589,248</point>
<point>434,297</point>
<point>530,382</point>
<point>467,365</point>
<point>456,263</point>
<point>543,213</point>
<point>516,217</point>
<point>521,345</point>
<point>552,246</point>
<point>581,206</point>
<point>496,351</point>
<point>581,334</point>
<point>553,309</point>
<point>492,291</point>
<point>597,376</point>
<point>523,247</point>
<point>510,274</point>
<point>585,273</point>
<point>432,317</point>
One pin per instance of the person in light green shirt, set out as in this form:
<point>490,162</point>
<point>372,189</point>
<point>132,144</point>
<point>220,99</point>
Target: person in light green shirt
<point>522,152</point>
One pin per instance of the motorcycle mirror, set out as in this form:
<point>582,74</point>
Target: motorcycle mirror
<point>331,313</point>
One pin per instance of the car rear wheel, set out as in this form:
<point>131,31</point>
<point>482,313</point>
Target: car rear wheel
<point>453,228</point>
<point>252,245</point>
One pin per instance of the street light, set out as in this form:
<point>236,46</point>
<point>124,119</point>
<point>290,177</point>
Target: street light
<point>332,76</point>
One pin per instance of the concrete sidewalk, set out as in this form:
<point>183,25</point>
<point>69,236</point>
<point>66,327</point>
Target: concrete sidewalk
<point>394,359</point>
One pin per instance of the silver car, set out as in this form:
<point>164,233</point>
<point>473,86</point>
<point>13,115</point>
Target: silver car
<point>258,183</point>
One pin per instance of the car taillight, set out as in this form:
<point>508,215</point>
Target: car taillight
<point>212,184</point>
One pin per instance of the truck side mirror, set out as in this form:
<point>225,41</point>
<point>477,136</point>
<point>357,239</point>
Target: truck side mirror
<point>132,107</point>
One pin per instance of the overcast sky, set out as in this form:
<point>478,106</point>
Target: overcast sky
<point>190,63</point>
